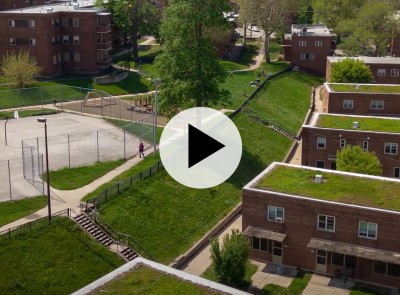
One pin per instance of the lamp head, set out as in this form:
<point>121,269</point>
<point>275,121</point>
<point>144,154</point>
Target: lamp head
<point>42,120</point>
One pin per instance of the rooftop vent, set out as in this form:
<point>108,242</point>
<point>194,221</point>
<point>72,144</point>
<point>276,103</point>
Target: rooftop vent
<point>318,178</point>
<point>356,125</point>
<point>49,9</point>
<point>357,86</point>
<point>76,5</point>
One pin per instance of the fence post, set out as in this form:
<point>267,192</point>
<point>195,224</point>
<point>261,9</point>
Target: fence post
<point>81,106</point>
<point>33,167</point>
<point>69,153</point>
<point>41,97</point>
<point>150,171</point>
<point>23,158</point>
<point>42,172</point>
<point>98,151</point>
<point>118,186</point>
<point>124,144</point>
<point>9,178</point>
<point>120,112</point>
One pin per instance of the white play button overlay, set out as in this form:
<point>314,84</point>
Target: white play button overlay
<point>200,147</point>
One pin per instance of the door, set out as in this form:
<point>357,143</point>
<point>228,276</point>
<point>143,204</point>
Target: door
<point>321,260</point>
<point>333,165</point>
<point>277,252</point>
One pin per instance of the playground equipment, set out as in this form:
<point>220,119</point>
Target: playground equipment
<point>142,103</point>
<point>94,99</point>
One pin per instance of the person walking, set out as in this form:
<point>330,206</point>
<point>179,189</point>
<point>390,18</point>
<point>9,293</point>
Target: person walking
<point>141,150</point>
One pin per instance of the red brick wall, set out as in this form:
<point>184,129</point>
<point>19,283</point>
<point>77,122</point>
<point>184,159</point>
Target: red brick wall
<point>376,143</point>
<point>300,225</point>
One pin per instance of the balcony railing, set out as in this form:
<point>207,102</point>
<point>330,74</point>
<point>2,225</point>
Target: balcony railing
<point>104,45</point>
<point>104,63</point>
<point>103,28</point>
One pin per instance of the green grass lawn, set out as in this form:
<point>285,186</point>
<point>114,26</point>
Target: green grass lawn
<point>365,88</point>
<point>250,271</point>
<point>55,259</point>
<point>148,281</point>
<point>232,66</point>
<point>355,291</point>
<point>297,286</point>
<point>27,113</point>
<point>364,123</point>
<point>286,99</point>
<point>73,178</point>
<point>14,210</point>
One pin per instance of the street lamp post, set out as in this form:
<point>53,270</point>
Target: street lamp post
<point>156,83</point>
<point>44,120</point>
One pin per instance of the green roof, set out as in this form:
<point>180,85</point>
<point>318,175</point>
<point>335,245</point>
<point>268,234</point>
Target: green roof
<point>336,187</point>
<point>362,88</point>
<point>364,123</point>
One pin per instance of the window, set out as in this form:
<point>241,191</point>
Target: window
<point>260,244</point>
<point>342,143</point>
<point>389,269</point>
<point>302,43</point>
<point>377,104</point>
<point>302,56</point>
<point>321,257</point>
<point>394,72</point>
<point>76,40</point>
<point>326,222</point>
<point>307,55</point>
<point>321,142</point>
<point>396,172</point>
<point>390,148</point>
<point>66,56</point>
<point>75,22</point>
<point>367,230</point>
<point>65,39</point>
<point>59,57</point>
<point>343,260</point>
<point>13,41</point>
<point>11,23</point>
<point>348,104</point>
<point>64,22</point>
<point>312,56</point>
<point>31,23</point>
<point>275,213</point>
<point>337,259</point>
<point>318,43</point>
<point>54,59</point>
<point>365,145</point>
<point>381,73</point>
<point>320,164</point>
<point>77,57</point>
<point>32,42</point>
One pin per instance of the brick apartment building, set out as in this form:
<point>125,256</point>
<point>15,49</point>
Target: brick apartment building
<point>308,46</point>
<point>69,37</point>
<point>326,134</point>
<point>361,99</point>
<point>13,4</point>
<point>385,70</point>
<point>316,220</point>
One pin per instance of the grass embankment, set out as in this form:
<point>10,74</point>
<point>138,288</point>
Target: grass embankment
<point>243,285</point>
<point>27,113</point>
<point>55,259</point>
<point>73,178</point>
<point>297,286</point>
<point>14,210</point>
<point>147,281</point>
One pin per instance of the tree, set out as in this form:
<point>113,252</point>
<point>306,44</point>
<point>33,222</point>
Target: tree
<point>354,159</point>
<point>350,70</point>
<point>189,70</point>
<point>134,17</point>
<point>370,32</point>
<point>20,69</point>
<point>270,15</point>
<point>305,15</point>
<point>230,258</point>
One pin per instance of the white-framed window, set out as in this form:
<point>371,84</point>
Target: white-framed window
<point>396,172</point>
<point>342,143</point>
<point>259,244</point>
<point>343,260</point>
<point>381,73</point>
<point>326,222</point>
<point>390,148</point>
<point>31,23</point>
<point>321,142</point>
<point>77,57</point>
<point>312,56</point>
<point>348,104</point>
<point>302,56</point>
<point>368,230</point>
<point>377,104</point>
<point>66,56</point>
<point>32,42</point>
<point>318,43</point>
<point>76,40</point>
<point>65,39</point>
<point>385,268</point>
<point>365,145</point>
<point>302,43</point>
<point>75,22</point>
<point>13,41</point>
<point>54,59</point>
<point>275,213</point>
<point>11,23</point>
<point>394,72</point>
<point>320,164</point>
<point>64,22</point>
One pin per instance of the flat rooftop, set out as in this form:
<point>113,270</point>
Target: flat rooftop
<point>310,30</point>
<point>363,88</point>
<point>365,123</point>
<point>368,59</point>
<point>78,6</point>
<point>336,186</point>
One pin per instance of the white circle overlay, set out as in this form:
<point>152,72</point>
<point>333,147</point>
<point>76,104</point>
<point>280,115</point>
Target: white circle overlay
<point>214,169</point>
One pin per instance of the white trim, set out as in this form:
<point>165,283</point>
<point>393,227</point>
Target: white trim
<point>367,237</point>
<point>276,214</point>
<point>326,221</point>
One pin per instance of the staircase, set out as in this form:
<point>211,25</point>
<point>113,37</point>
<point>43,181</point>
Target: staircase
<point>87,224</point>
<point>128,253</point>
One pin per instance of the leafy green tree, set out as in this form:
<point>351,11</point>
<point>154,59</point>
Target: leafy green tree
<point>230,258</point>
<point>134,17</point>
<point>350,70</point>
<point>305,15</point>
<point>19,68</point>
<point>371,30</point>
<point>189,70</point>
<point>354,159</point>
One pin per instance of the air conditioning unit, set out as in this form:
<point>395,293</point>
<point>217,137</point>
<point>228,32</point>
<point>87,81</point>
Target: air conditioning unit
<point>318,178</point>
<point>356,125</point>
<point>279,219</point>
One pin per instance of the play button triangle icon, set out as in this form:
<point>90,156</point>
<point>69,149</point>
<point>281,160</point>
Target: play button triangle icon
<point>201,146</point>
